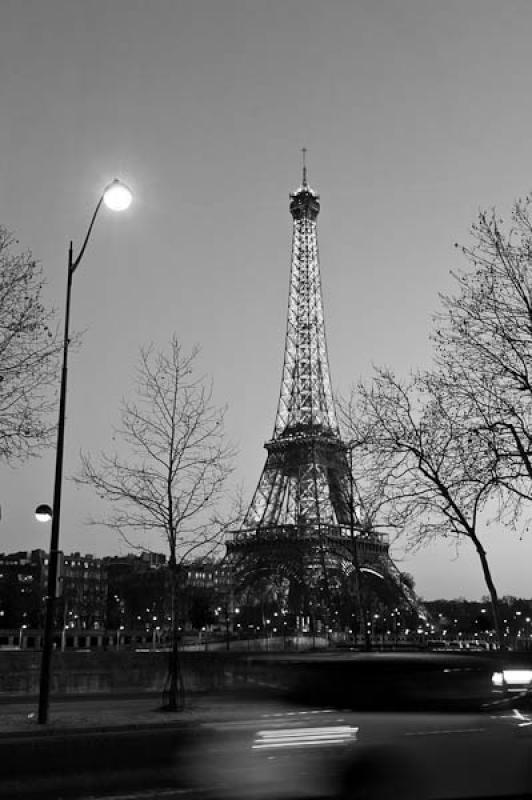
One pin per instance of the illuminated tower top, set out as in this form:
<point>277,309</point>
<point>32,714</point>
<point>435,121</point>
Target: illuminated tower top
<point>306,403</point>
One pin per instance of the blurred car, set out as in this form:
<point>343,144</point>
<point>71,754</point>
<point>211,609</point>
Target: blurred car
<point>338,728</point>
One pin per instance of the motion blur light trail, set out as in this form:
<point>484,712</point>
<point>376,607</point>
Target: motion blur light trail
<point>288,737</point>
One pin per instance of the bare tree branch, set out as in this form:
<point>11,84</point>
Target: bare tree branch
<point>421,473</point>
<point>172,470</point>
<point>483,341</point>
<point>29,349</point>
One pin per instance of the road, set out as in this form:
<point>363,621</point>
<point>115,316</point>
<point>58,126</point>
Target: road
<point>223,751</point>
<point>123,747</point>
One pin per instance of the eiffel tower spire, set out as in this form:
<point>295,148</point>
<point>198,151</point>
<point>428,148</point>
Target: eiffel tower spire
<point>304,480</point>
<point>306,400</point>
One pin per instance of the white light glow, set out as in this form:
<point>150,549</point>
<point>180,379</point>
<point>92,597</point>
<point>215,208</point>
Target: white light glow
<point>117,196</point>
<point>372,572</point>
<point>512,677</point>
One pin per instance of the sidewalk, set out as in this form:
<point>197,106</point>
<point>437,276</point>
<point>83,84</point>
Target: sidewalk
<point>82,714</point>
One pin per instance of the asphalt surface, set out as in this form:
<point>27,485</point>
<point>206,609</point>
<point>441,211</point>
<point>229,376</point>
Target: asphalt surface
<point>144,761</point>
<point>125,746</point>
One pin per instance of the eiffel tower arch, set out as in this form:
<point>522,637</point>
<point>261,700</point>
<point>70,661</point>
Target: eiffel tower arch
<point>300,538</point>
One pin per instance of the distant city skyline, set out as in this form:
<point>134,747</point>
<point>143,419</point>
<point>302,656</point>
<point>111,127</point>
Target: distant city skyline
<point>414,117</point>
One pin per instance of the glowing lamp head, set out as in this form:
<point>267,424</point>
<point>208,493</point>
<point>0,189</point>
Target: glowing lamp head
<point>43,513</point>
<point>117,196</point>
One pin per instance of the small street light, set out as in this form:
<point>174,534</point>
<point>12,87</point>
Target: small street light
<point>43,513</point>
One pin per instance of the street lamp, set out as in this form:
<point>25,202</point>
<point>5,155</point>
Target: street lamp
<point>117,197</point>
<point>43,513</point>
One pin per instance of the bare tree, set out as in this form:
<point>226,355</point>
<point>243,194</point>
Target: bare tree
<point>28,355</point>
<point>170,473</point>
<point>484,345</point>
<point>432,480</point>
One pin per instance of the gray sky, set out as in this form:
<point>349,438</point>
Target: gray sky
<point>415,114</point>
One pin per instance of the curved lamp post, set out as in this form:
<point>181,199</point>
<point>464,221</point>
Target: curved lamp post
<point>117,197</point>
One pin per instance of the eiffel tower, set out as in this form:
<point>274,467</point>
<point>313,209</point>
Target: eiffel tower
<point>300,533</point>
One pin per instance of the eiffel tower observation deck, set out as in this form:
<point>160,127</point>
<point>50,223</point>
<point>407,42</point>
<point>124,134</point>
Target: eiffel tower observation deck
<point>300,533</point>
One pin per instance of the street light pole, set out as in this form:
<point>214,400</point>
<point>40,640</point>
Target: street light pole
<point>117,197</point>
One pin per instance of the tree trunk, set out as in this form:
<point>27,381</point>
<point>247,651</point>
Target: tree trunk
<point>174,691</point>
<point>494,600</point>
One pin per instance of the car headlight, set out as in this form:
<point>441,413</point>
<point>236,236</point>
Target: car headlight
<point>512,677</point>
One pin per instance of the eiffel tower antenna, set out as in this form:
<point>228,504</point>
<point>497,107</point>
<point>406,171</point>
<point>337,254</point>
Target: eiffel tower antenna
<point>304,181</point>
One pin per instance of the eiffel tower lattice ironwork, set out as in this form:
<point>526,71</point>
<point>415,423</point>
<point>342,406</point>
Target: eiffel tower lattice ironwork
<point>299,532</point>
